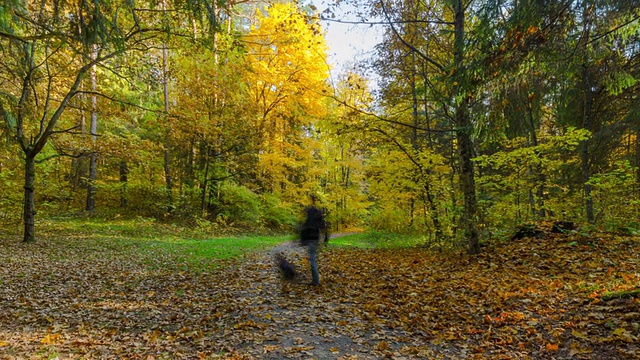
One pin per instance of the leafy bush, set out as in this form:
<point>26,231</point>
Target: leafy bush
<point>388,220</point>
<point>275,214</point>
<point>238,205</point>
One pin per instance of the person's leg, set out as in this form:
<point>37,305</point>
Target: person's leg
<point>313,260</point>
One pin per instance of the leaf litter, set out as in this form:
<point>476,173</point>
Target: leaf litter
<point>531,298</point>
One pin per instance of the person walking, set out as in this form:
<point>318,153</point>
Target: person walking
<point>312,228</point>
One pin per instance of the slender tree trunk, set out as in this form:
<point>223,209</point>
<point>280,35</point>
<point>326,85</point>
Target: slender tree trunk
<point>78,163</point>
<point>638,159</point>
<point>584,153</point>
<point>414,132</point>
<point>190,176</point>
<point>463,136</point>
<point>93,167</point>
<point>434,210</point>
<point>167,144</point>
<point>537,170</point>
<point>587,113</point>
<point>124,179</point>
<point>205,182</point>
<point>29,201</point>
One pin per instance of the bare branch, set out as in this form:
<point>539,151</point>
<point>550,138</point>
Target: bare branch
<point>388,22</point>
<point>407,44</point>
<point>390,121</point>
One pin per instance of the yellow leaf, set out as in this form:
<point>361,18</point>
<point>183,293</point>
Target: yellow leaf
<point>576,349</point>
<point>578,334</point>
<point>4,343</point>
<point>619,331</point>
<point>624,335</point>
<point>50,339</point>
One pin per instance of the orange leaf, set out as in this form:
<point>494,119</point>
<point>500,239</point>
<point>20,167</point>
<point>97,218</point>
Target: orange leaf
<point>382,346</point>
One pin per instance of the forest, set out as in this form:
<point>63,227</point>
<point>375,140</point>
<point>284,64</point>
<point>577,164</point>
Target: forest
<point>486,115</point>
<point>479,169</point>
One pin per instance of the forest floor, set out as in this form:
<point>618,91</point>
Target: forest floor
<point>546,297</point>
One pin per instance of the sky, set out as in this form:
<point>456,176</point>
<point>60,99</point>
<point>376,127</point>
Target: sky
<point>347,42</point>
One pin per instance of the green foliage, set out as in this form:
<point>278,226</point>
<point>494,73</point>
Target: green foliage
<point>236,203</point>
<point>619,82</point>
<point>615,196</point>
<point>508,184</point>
<point>276,214</point>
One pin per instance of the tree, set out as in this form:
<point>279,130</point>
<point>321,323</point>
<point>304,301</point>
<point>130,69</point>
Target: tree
<point>286,58</point>
<point>48,49</point>
<point>346,138</point>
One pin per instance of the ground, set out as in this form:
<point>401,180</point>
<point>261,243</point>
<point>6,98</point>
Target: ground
<point>530,298</point>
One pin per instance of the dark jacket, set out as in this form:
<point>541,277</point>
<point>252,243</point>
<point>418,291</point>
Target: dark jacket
<point>313,226</point>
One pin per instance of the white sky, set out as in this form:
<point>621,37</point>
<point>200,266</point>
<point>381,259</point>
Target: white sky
<point>347,42</point>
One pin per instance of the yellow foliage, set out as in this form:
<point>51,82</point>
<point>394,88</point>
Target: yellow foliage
<point>286,79</point>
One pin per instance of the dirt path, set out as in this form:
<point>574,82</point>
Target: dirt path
<point>280,319</point>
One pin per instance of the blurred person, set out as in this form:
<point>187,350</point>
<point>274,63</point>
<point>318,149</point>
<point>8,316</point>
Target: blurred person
<point>312,229</point>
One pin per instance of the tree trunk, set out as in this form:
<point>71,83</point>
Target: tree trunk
<point>434,210</point>
<point>29,202</point>
<point>205,183</point>
<point>463,136</point>
<point>584,153</point>
<point>93,167</point>
<point>467,184</point>
<point>78,164</point>
<point>91,187</point>
<point>536,171</point>
<point>638,159</point>
<point>124,178</point>
<point>167,145</point>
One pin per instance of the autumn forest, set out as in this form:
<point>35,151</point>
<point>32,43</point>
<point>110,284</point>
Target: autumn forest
<point>486,115</point>
<point>471,121</point>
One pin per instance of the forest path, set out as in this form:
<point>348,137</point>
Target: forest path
<point>279,319</point>
<point>532,298</point>
<point>523,299</point>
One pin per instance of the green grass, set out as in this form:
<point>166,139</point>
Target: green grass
<point>203,254</point>
<point>377,240</point>
<point>158,245</point>
<point>154,244</point>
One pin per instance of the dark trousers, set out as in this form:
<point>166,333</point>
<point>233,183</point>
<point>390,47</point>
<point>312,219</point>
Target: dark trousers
<point>313,261</point>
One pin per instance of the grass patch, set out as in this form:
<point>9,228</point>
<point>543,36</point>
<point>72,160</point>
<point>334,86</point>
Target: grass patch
<point>372,240</point>
<point>157,245</point>
<point>199,254</point>
<point>154,245</point>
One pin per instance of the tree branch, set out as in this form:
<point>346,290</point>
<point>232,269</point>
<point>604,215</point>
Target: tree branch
<point>388,22</point>
<point>378,117</point>
<point>413,48</point>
